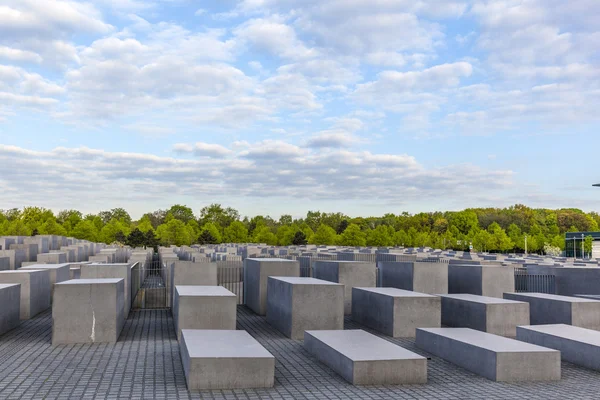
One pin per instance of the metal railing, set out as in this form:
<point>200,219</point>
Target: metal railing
<point>230,275</point>
<point>534,283</point>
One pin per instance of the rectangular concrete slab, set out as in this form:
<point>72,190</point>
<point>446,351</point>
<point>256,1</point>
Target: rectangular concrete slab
<point>494,357</point>
<point>10,309</point>
<point>35,290</point>
<point>256,274</point>
<point>554,309</point>
<point>88,311</point>
<point>422,277</point>
<point>295,305</point>
<point>486,314</point>
<point>395,312</point>
<point>364,359</point>
<point>577,345</point>
<point>204,307</point>
<point>58,273</point>
<point>225,359</point>
<point>349,273</point>
<point>111,271</point>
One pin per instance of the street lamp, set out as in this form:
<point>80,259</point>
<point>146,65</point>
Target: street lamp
<point>525,244</point>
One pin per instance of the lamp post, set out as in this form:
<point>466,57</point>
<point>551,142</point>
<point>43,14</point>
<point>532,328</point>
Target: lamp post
<point>525,244</point>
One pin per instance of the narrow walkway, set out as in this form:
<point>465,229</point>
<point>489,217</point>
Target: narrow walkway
<point>145,364</point>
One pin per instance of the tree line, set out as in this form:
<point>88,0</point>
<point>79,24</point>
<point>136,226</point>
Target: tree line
<point>485,229</point>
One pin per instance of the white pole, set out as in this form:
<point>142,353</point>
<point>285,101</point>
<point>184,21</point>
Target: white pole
<point>525,244</point>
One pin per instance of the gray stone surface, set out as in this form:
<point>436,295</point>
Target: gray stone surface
<point>10,307</point>
<point>88,311</point>
<point>17,257</point>
<point>191,273</point>
<point>490,281</point>
<point>364,359</point>
<point>256,274</point>
<point>225,359</point>
<point>422,277</point>
<point>494,357</point>
<point>571,281</point>
<point>146,364</point>
<point>111,271</point>
<point>58,273</point>
<point>351,274</point>
<point>577,345</point>
<point>395,312</point>
<point>204,307</point>
<point>486,314</point>
<point>554,309</point>
<point>4,263</point>
<point>295,305</point>
<point>35,290</point>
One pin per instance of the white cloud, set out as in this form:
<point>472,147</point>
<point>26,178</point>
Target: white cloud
<point>17,55</point>
<point>312,175</point>
<point>203,149</point>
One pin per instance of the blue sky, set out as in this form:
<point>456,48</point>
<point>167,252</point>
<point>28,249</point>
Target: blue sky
<point>285,106</point>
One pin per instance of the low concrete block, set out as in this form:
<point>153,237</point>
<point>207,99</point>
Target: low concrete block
<point>225,359</point>
<point>10,311</point>
<point>52,258</point>
<point>295,305</point>
<point>571,281</point>
<point>204,307</point>
<point>490,281</point>
<point>349,273</point>
<point>88,311</point>
<point>493,357</point>
<point>421,277</point>
<point>191,273</point>
<point>364,359</point>
<point>35,290</point>
<point>257,272</point>
<point>577,345</point>
<point>553,309</point>
<point>486,314</point>
<point>395,312</point>
<point>111,271</point>
<point>58,273</point>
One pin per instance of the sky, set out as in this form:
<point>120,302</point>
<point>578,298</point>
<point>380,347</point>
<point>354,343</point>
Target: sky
<point>283,106</point>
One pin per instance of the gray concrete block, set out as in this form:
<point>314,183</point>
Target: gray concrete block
<point>422,277</point>
<point>17,257</point>
<point>4,263</point>
<point>577,345</point>
<point>111,271</point>
<point>35,290</point>
<point>486,314</point>
<point>88,311</point>
<point>364,359</point>
<point>571,281</point>
<point>490,281</point>
<point>191,273</point>
<point>225,359</point>
<point>395,312</point>
<point>256,274</point>
<point>295,305</point>
<point>58,273</point>
<point>351,274</point>
<point>553,309</point>
<point>10,311</point>
<point>493,357</point>
<point>204,307</point>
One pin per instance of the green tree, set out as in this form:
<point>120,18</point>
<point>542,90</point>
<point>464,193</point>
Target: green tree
<point>182,213</point>
<point>264,235</point>
<point>136,238</point>
<point>285,234</point>
<point>588,245</point>
<point>323,235</point>
<point>206,237</point>
<point>221,217</point>
<point>499,240</point>
<point>174,232</point>
<point>213,230</point>
<point>18,228</point>
<point>465,221</point>
<point>353,236</point>
<point>379,236</point>
<point>51,227</point>
<point>299,239</point>
<point>145,224</point>
<point>86,230</point>
<point>236,233</point>
<point>113,231</point>
<point>401,238</point>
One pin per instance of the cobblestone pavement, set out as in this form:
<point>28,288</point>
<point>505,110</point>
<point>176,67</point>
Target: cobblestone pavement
<point>145,364</point>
